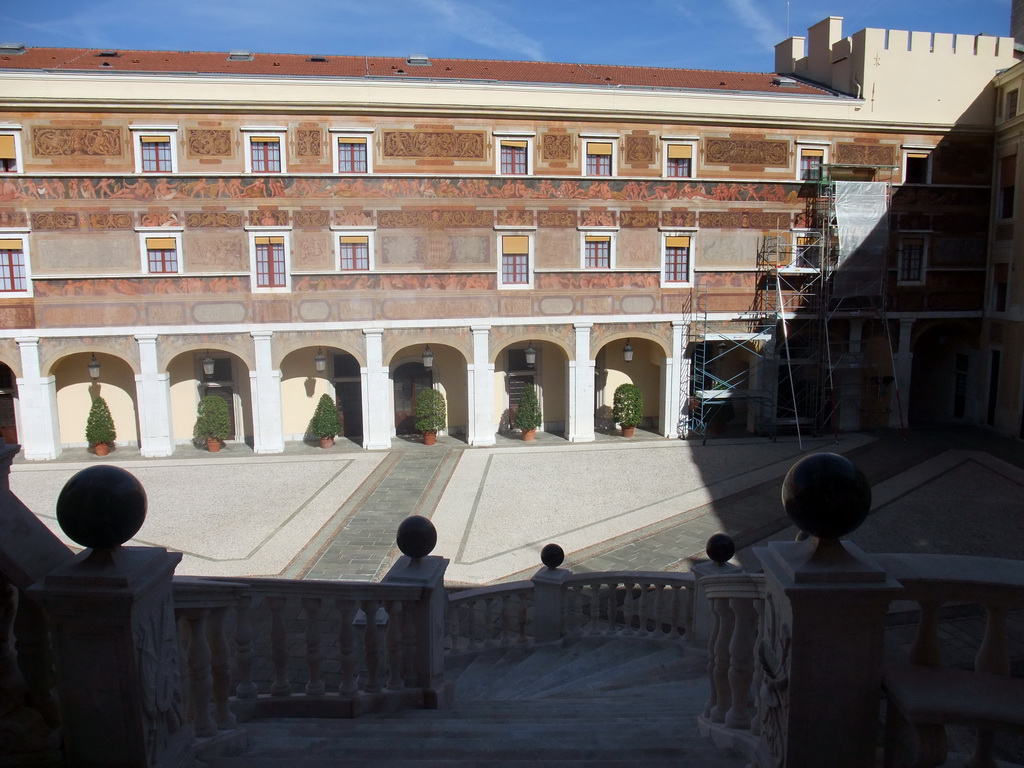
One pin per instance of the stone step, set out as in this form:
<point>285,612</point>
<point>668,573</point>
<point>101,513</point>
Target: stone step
<point>710,760</point>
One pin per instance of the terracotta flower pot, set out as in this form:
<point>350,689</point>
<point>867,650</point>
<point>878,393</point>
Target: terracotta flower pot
<point>101,449</point>
<point>326,442</point>
<point>212,444</point>
<point>528,435</point>
<point>628,431</point>
<point>429,438</point>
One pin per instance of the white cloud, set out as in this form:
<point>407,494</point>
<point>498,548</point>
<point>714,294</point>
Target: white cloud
<point>484,28</point>
<point>766,33</point>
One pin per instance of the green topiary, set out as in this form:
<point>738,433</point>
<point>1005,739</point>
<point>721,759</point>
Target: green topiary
<point>628,405</point>
<point>430,411</point>
<point>99,428</point>
<point>528,413</point>
<point>325,418</point>
<point>213,421</point>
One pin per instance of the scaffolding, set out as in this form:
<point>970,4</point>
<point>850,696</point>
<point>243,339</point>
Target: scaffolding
<point>790,385</point>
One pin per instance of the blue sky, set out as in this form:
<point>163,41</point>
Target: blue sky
<point>693,34</point>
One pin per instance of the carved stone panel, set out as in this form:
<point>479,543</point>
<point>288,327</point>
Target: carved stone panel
<point>77,142</point>
<point>403,250</point>
<point>639,218</point>
<point>556,146</point>
<point>13,219</point>
<point>435,219</point>
<point>558,218</point>
<point>208,142</point>
<point>109,221</point>
<point>639,149</point>
<point>202,219</point>
<point>267,218</point>
<point>763,152</point>
<point>511,217</point>
<point>461,145</point>
<point>309,142</point>
<point>311,219</point>
<point>50,220</point>
<point>312,250</point>
<point>865,154</point>
<point>683,219</point>
<point>213,251</point>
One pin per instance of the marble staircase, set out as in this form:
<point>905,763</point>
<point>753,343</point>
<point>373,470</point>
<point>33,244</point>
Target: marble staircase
<point>597,702</point>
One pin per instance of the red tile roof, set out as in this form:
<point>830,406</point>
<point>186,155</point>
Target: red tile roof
<point>295,65</point>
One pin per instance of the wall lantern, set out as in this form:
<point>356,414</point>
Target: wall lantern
<point>531,355</point>
<point>428,358</point>
<point>208,364</point>
<point>320,361</point>
<point>94,368</point>
<point>627,352</point>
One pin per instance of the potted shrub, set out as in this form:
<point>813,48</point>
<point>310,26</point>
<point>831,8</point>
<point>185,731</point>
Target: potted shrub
<point>99,428</point>
<point>213,422</point>
<point>528,416</point>
<point>628,408</point>
<point>326,424</point>
<point>430,414</point>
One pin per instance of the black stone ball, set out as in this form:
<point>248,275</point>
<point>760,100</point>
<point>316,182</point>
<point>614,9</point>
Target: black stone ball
<point>720,548</point>
<point>826,495</point>
<point>552,556</point>
<point>101,507</point>
<point>416,536</point>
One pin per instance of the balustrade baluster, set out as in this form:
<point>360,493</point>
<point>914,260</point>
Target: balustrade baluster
<point>755,721</point>
<point>574,619</point>
<point>314,652</point>
<point>396,620</point>
<point>409,642</point>
<point>200,679</point>
<point>613,608</point>
<point>994,659</point>
<point>595,609</point>
<point>645,609</point>
<point>720,676</point>
<point>246,688</point>
<point>628,609</point>
<point>471,626</point>
<point>741,668</point>
<point>32,648</point>
<point>523,618</point>
<point>506,619</point>
<point>925,650</point>
<point>676,611</point>
<point>371,647</point>
<point>278,647</point>
<point>488,622</point>
<point>219,669</point>
<point>662,612</point>
<point>347,646</point>
<point>713,633</point>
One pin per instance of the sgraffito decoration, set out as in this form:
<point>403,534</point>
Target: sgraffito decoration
<point>865,154</point>
<point>311,219</point>
<point>208,142</point>
<point>460,145</point>
<point>762,152</point>
<point>640,149</point>
<point>435,219</point>
<point>556,146</point>
<point>212,219</point>
<point>309,142</point>
<point>51,220</point>
<point>639,218</point>
<point>110,221</point>
<point>71,142</point>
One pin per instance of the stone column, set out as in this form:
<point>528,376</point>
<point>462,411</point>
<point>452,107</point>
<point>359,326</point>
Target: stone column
<point>268,431</point>
<point>154,392</point>
<point>114,635</point>
<point>671,382</point>
<point>825,607</point>
<point>901,389</point>
<point>549,596</point>
<point>39,429</point>
<point>848,380</point>
<point>377,416</point>
<point>481,389</point>
<point>581,388</point>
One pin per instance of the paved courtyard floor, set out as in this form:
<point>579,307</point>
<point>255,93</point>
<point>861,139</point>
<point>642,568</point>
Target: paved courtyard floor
<point>641,504</point>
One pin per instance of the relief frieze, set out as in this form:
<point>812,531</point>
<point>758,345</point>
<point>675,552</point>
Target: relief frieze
<point>51,220</point>
<point>77,142</point>
<point>515,218</point>
<point>202,219</point>
<point>640,149</point>
<point>481,281</point>
<point>459,145</point>
<point>13,219</point>
<point>639,218</point>
<point>353,218</point>
<point>865,154</point>
<point>109,221</point>
<point>265,218</point>
<point>679,219</point>
<point>208,142</point>
<point>311,218</point>
<point>763,152</point>
<point>158,286</point>
<point>597,219</point>
<point>160,219</point>
<point>557,218</point>
<point>556,146</point>
<point>572,281</point>
<point>309,142</point>
<point>434,219</point>
<point>744,220</point>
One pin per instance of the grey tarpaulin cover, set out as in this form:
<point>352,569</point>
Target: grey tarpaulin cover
<point>862,219</point>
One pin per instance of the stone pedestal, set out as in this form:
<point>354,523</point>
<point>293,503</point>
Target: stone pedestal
<point>116,652</point>
<point>429,618</point>
<point>549,604</point>
<point>700,622</point>
<point>821,654</point>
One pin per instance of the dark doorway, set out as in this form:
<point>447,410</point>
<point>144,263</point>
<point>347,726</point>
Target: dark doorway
<point>8,428</point>
<point>348,394</point>
<point>410,379</point>
<point>993,388</point>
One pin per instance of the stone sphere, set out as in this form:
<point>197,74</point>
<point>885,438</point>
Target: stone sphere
<point>826,495</point>
<point>416,536</point>
<point>552,556</point>
<point>101,507</point>
<point>720,548</point>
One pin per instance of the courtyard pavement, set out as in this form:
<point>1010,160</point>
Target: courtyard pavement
<point>642,504</point>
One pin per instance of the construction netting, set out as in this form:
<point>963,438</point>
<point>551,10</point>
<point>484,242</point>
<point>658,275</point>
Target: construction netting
<point>862,223</point>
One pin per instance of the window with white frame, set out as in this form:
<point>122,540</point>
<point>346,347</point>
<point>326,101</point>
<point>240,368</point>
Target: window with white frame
<point>14,264</point>
<point>1006,198</point>
<point>352,151</point>
<point>812,161</point>
<point>913,255</point>
<point>161,252</point>
<point>678,258</point>
<point>679,160</point>
<point>156,149</point>
<point>264,150</point>
<point>516,261</point>
<point>10,151</point>
<point>1010,104</point>
<point>807,246</point>
<point>599,155</point>
<point>598,249</point>
<point>515,155</point>
<point>917,166</point>
<point>354,251</point>
<point>269,260</point>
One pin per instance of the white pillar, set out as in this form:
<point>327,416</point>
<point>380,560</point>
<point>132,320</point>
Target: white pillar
<point>481,389</point>
<point>39,430</point>
<point>153,390</point>
<point>904,358</point>
<point>671,381</point>
<point>376,417</point>
<point>581,388</point>
<point>849,380</point>
<point>267,426</point>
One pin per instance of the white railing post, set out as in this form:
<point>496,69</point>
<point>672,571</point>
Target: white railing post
<point>719,549</point>
<point>549,596</point>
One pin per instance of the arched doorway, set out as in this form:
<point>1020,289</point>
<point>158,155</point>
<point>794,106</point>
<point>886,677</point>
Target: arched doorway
<point>944,373</point>
<point>8,396</point>
<point>409,379</point>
